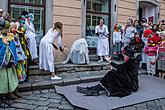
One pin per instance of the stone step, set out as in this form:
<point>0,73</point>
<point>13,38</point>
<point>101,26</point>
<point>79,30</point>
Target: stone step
<point>93,57</point>
<point>70,68</point>
<point>44,82</point>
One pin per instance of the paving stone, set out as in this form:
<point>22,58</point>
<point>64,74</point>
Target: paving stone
<point>31,107</point>
<point>64,99</point>
<point>71,81</point>
<point>53,105</point>
<point>65,102</point>
<point>32,97</point>
<point>46,95</point>
<point>36,92</point>
<point>53,100</point>
<point>55,96</point>
<point>44,91</point>
<point>151,104</point>
<point>66,107</point>
<point>162,100</point>
<point>52,109</point>
<point>141,105</point>
<point>20,109</point>
<point>30,101</point>
<point>52,90</point>
<point>42,103</point>
<point>18,105</point>
<point>155,108</point>
<point>24,106</point>
<point>163,107</point>
<point>20,100</point>
<point>7,109</point>
<point>42,99</point>
<point>41,108</point>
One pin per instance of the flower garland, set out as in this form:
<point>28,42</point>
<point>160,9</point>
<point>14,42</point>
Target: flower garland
<point>8,38</point>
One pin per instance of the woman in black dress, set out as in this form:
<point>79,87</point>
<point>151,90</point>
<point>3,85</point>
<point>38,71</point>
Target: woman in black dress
<point>120,82</point>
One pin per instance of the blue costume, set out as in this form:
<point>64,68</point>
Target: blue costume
<point>3,48</point>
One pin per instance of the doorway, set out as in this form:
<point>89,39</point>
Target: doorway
<point>148,10</point>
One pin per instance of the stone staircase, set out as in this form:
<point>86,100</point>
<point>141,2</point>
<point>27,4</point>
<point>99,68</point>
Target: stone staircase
<point>70,68</point>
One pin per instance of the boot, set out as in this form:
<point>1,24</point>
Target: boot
<point>87,91</point>
<point>90,91</point>
<point>11,96</point>
<point>16,93</point>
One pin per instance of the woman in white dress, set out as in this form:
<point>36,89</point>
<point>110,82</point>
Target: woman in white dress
<point>103,44</point>
<point>31,36</point>
<point>46,54</point>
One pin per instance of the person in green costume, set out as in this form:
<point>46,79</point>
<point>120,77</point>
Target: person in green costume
<point>8,60</point>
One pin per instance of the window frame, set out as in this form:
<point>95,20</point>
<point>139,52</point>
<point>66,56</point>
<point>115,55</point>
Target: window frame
<point>43,5</point>
<point>92,50</point>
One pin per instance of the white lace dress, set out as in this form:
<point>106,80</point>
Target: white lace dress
<point>103,43</point>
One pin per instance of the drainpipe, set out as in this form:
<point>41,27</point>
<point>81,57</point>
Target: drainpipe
<point>83,18</point>
<point>114,19</point>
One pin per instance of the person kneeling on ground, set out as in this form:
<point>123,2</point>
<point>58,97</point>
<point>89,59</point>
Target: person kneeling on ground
<point>78,53</point>
<point>120,82</point>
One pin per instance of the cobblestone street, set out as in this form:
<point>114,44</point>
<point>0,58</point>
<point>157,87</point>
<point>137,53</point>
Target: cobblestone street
<point>49,100</point>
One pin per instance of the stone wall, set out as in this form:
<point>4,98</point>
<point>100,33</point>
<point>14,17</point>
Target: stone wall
<point>69,13</point>
<point>126,9</point>
<point>162,9</point>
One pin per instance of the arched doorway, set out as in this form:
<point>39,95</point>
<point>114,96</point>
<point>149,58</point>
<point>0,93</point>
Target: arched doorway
<point>149,10</point>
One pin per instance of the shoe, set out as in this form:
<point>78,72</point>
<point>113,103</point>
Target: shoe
<point>87,91</point>
<point>56,78</point>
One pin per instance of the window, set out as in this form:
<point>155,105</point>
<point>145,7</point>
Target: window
<point>96,9</point>
<point>35,2</point>
<point>36,7</point>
